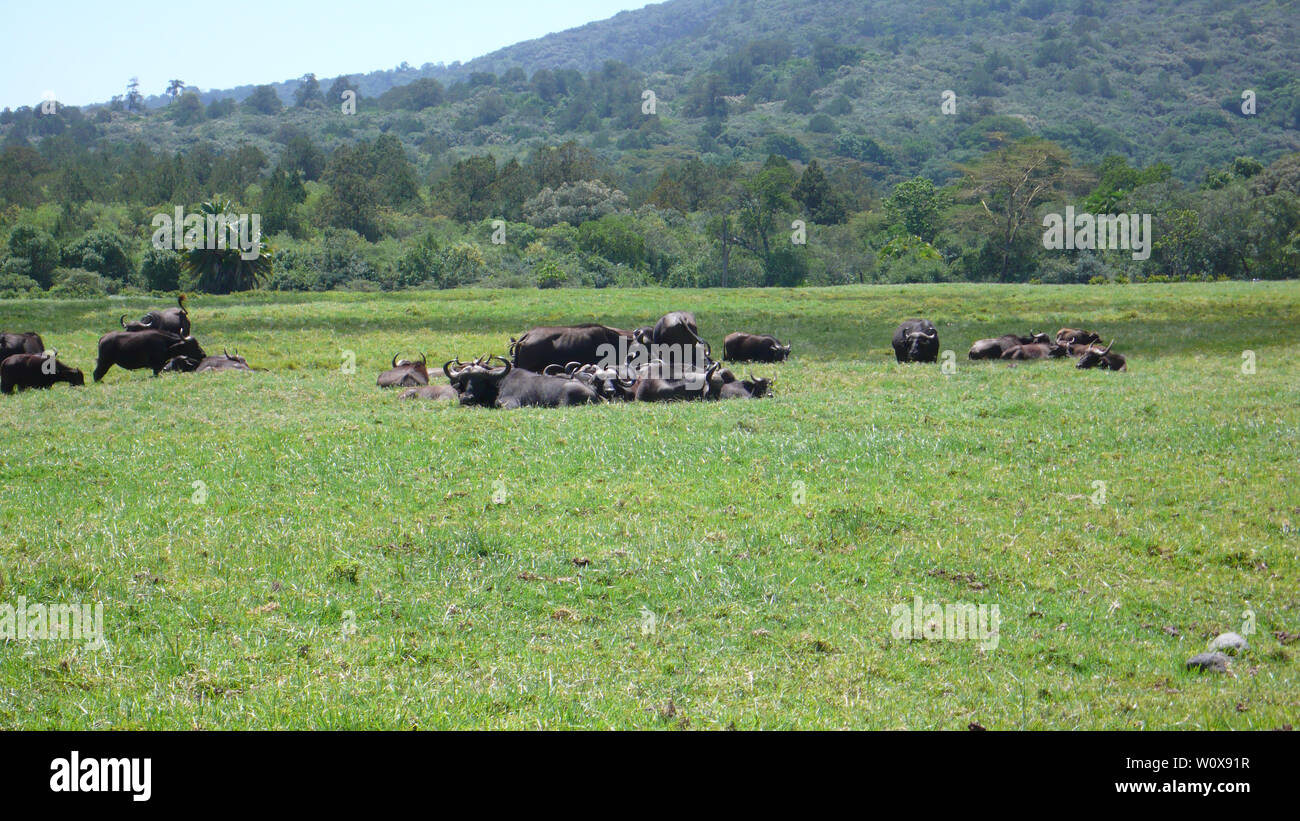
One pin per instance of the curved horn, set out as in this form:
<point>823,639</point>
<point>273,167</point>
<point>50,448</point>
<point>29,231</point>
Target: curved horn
<point>122,320</point>
<point>424,359</point>
<point>394,360</point>
<point>551,370</point>
<point>509,366</point>
<point>148,319</point>
<point>180,300</point>
<point>1108,347</point>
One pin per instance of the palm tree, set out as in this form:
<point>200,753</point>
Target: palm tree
<point>223,270</point>
<point>175,87</point>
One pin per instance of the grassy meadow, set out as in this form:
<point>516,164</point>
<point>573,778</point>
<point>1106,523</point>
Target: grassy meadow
<point>352,561</point>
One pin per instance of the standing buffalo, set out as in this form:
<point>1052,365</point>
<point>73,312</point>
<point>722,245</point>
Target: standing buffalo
<point>537,348</point>
<point>405,374</point>
<point>513,387</point>
<point>133,350</point>
<point>35,370</point>
<point>994,348</point>
<point>743,347</point>
<point>174,320</point>
<point>11,344</point>
<point>1102,358</point>
<point>1074,336</point>
<point>678,328</point>
<point>916,340</point>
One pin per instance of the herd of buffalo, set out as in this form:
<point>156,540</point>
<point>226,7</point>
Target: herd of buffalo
<point>160,341</point>
<point>547,367</point>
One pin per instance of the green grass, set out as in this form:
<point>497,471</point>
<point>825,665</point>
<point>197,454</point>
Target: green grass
<point>329,503</point>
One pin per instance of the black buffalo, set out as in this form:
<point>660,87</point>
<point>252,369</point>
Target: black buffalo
<point>750,388</point>
<point>1102,358</point>
<point>225,362</point>
<point>678,328</point>
<point>405,373</point>
<point>651,387</point>
<point>133,350</point>
<point>511,386</point>
<point>916,340</point>
<point>181,364</point>
<point>433,392</point>
<point>174,320</point>
<point>11,344</point>
<point>1036,350</point>
<point>35,370</point>
<point>1075,336</point>
<point>995,347</point>
<point>538,348</point>
<point>743,347</point>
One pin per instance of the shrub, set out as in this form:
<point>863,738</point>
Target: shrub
<point>77,283</point>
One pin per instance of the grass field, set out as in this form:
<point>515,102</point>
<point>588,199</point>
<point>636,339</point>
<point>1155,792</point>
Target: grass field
<point>344,563</point>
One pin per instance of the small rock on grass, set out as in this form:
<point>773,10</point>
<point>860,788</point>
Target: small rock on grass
<point>1230,643</point>
<point>1208,662</point>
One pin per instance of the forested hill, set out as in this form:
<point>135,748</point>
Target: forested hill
<point>671,144</point>
<point>1156,80</point>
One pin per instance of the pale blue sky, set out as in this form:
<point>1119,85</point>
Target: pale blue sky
<point>84,51</point>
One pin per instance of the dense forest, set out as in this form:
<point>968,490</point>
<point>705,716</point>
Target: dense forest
<point>699,143</point>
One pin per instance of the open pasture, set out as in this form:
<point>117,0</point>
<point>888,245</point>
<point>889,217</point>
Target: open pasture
<point>296,548</point>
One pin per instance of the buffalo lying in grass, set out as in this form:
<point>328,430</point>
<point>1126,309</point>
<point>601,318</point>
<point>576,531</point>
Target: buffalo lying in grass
<point>405,373</point>
<point>511,387</point>
<point>916,340</point>
<point>1102,358</point>
<point>743,347</point>
<point>133,350</point>
<point>36,370</point>
<point>995,347</point>
<point>1076,336</point>
<point>432,392</point>
<point>1036,350</point>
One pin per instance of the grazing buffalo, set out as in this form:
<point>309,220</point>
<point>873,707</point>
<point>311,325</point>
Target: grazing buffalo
<point>916,340</point>
<point>133,350</point>
<point>513,387</point>
<point>1036,350</point>
<point>1074,336</point>
<point>743,347</point>
<point>405,373</point>
<point>35,370</point>
<point>1102,358</point>
<point>174,320</point>
<point>994,348</point>
<point>432,392</point>
<point>225,362</point>
<point>11,344</point>
<point>537,348</point>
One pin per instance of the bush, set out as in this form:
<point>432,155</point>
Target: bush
<point>161,269</point>
<point>78,283</point>
<point>12,284</point>
<point>37,252</point>
<point>101,251</point>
